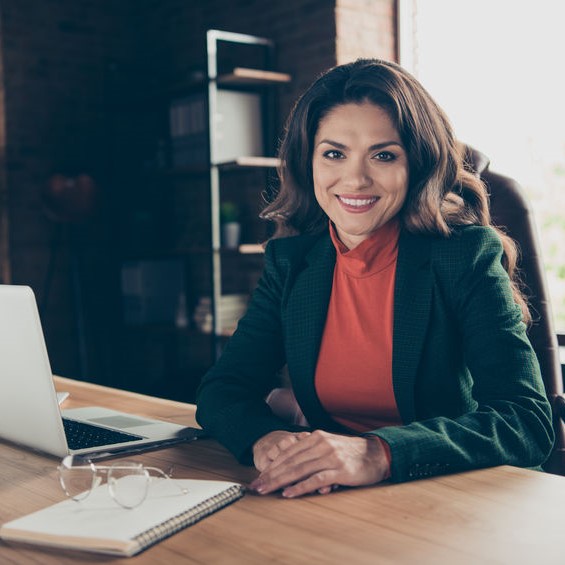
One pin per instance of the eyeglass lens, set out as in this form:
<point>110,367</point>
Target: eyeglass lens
<point>128,483</point>
<point>77,480</point>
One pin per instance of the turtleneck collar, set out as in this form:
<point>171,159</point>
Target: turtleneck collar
<point>372,255</point>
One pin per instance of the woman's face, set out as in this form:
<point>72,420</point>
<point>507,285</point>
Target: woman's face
<point>360,170</point>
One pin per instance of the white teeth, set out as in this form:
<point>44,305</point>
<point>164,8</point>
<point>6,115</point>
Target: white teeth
<point>358,201</point>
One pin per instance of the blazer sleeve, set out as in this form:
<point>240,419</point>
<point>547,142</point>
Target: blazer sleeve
<point>231,397</point>
<point>511,422</point>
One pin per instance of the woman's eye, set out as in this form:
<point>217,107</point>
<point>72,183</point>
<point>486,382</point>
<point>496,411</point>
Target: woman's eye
<point>385,156</point>
<point>333,154</point>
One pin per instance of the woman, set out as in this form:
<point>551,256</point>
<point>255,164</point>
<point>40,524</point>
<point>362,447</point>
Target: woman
<point>389,297</point>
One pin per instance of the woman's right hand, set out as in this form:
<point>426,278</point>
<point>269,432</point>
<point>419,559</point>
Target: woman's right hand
<point>269,447</point>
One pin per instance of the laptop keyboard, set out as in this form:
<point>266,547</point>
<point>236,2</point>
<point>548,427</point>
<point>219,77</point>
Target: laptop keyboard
<point>81,435</point>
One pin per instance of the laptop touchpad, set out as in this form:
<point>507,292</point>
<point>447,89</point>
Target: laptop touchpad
<point>120,422</point>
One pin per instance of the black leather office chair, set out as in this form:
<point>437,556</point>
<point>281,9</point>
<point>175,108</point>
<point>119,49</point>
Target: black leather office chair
<point>511,211</point>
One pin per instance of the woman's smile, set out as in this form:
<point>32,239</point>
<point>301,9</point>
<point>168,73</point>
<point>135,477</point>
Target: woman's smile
<point>357,204</point>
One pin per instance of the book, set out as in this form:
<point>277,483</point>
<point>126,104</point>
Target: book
<point>230,309</point>
<point>99,524</point>
<point>188,118</point>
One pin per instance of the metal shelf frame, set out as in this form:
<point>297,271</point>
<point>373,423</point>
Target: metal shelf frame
<point>240,75</point>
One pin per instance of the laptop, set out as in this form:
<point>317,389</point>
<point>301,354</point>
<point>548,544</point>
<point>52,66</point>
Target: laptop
<point>29,409</point>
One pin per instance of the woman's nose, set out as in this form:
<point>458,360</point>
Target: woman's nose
<point>356,174</point>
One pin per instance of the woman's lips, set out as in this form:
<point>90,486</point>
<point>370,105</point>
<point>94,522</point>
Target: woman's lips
<point>357,204</point>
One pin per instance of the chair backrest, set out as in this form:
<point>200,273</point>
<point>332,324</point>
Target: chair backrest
<point>512,212</point>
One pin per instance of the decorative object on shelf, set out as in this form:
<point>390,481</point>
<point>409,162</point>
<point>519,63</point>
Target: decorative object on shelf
<point>231,228</point>
<point>231,309</point>
<point>238,125</point>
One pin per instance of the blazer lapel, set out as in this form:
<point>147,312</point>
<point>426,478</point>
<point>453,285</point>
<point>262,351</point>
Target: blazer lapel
<point>304,320</point>
<point>412,302</point>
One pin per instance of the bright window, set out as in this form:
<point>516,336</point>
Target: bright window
<point>496,68</point>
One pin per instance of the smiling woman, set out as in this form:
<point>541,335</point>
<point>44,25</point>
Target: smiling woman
<point>392,302</point>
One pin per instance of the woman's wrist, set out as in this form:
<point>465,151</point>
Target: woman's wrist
<point>385,457</point>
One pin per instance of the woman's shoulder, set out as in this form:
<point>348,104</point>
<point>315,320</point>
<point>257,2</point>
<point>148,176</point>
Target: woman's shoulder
<point>469,249</point>
<point>469,240</point>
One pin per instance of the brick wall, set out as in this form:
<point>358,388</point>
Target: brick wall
<point>366,28</point>
<point>85,81</point>
<point>56,59</point>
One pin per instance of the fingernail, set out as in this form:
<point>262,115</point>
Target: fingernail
<point>287,494</point>
<point>257,485</point>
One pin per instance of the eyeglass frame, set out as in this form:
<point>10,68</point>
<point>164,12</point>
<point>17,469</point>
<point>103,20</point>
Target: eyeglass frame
<point>106,469</point>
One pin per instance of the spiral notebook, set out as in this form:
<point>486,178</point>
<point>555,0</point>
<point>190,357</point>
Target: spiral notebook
<point>100,525</point>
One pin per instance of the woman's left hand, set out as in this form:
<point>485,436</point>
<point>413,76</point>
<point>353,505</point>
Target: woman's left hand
<point>320,460</point>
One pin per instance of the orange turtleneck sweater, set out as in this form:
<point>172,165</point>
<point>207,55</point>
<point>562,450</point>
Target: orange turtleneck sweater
<point>354,370</point>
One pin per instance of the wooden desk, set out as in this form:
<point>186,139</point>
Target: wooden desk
<point>501,515</point>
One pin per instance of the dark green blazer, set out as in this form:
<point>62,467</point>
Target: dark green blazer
<point>466,380</point>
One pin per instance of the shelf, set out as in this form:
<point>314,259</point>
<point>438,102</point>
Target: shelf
<point>155,254</point>
<point>161,328</point>
<point>241,75</point>
<point>251,162</point>
<point>251,248</point>
<point>133,254</point>
<point>180,171</point>
<point>246,249</point>
<point>223,333</point>
<point>193,170</point>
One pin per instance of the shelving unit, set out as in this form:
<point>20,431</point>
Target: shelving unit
<point>173,172</point>
<point>249,79</point>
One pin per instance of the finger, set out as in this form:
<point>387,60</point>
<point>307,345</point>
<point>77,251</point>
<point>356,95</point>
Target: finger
<point>299,468</point>
<point>273,452</point>
<point>327,490</point>
<point>295,453</point>
<point>284,444</point>
<point>290,440</point>
<point>267,443</point>
<point>264,455</point>
<point>321,482</point>
<point>310,455</point>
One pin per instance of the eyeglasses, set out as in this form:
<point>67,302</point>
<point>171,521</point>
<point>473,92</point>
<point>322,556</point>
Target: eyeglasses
<point>128,481</point>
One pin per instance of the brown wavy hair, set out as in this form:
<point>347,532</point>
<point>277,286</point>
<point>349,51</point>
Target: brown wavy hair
<point>442,192</point>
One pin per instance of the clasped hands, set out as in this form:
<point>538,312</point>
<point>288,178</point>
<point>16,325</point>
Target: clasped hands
<point>307,462</point>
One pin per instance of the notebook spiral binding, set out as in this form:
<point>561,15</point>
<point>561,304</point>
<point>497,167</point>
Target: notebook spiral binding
<point>181,521</point>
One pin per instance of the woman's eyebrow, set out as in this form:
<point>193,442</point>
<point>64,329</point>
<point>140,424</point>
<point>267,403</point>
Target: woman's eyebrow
<point>385,144</point>
<point>332,142</point>
<point>373,147</point>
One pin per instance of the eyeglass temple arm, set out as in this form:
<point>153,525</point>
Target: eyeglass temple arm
<point>167,476</point>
